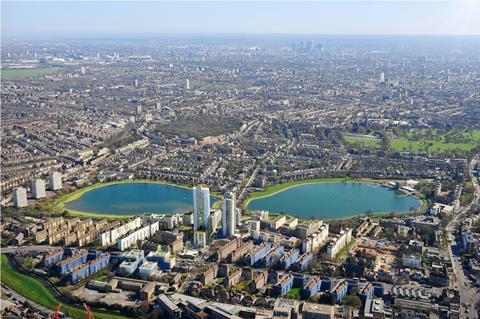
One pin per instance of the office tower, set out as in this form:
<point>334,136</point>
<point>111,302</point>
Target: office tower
<point>138,108</point>
<point>382,77</point>
<point>201,207</point>
<point>20,197</point>
<point>228,215</point>
<point>82,70</point>
<point>148,117</point>
<point>310,46</point>
<point>158,106</point>
<point>238,216</point>
<point>38,189</point>
<point>135,83</point>
<point>187,84</point>
<point>55,181</point>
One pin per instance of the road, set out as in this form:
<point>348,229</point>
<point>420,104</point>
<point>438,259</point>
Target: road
<point>468,295</point>
<point>19,299</point>
<point>34,249</point>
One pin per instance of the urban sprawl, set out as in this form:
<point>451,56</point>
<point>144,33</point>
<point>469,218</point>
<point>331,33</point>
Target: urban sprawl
<point>236,119</point>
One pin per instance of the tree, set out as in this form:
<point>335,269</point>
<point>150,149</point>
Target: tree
<point>353,301</point>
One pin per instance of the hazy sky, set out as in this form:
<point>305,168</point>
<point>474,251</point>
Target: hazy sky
<point>20,18</point>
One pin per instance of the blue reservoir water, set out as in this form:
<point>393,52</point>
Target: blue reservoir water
<point>135,198</point>
<point>335,200</point>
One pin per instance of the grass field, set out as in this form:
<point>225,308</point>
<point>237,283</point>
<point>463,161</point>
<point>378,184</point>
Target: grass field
<point>363,140</point>
<point>435,141</point>
<point>199,126</point>
<point>294,292</point>
<point>219,86</point>
<point>15,74</point>
<point>428,146</point>
<point>35,291</point>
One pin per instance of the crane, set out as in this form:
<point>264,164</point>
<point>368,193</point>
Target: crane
<point>56,314</point>
<point>89,312</point>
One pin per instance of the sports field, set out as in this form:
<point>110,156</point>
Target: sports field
<point>15,74</point>
<point>434,141</point>
<point>363,140</point>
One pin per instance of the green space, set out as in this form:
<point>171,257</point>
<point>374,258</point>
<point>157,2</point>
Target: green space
<point>35,291</point>
<point>241,286</point>
<point>219,85</point>
<point>294,293</point>
<point>466,198</point>
<point>15,74</point>
<point>342,254</point>
<point>369,141</point>
<point>199,126</point>
<point>436,141</point>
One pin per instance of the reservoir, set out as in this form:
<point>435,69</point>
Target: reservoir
<point>335,200</point>
<point>135,198</point>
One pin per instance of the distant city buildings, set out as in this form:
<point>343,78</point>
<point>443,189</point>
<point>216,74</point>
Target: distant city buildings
<point>187,84</point>
<point>382,77</point>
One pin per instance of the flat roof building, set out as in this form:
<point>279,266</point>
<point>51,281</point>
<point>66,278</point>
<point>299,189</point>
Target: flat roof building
<point>55,181</point>
<point>38,189</point>
<point>20,197</point>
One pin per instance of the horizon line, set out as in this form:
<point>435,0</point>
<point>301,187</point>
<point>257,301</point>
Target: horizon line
<point>91,34</point>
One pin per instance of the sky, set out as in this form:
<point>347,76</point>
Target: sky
<point>71,18</point>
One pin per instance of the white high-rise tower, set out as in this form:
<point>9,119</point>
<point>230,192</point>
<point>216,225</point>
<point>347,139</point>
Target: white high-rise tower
<point>55,181</point>
<point>187,84</point>
<point>20,197</point>
<point>201,207</point>
<point>382,77</point>
<point>38,189</point>
<point>228,215</point>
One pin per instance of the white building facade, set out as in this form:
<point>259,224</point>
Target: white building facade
<point>38,189</point>
<point>20,197</point>
<point>228,215</point>
<point>201,207</point>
